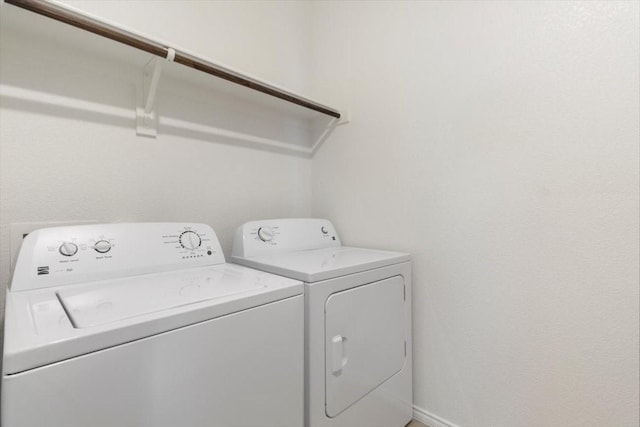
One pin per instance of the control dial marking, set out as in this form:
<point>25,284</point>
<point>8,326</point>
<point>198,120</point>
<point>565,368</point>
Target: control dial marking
<point>190,240</point>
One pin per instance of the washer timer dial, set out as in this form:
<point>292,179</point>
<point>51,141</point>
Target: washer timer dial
<point>190,240</point>
<point>102,246</point>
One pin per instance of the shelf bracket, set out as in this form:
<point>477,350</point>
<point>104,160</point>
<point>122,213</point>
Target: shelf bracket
<point>345,117</point>
<point>146,118</point>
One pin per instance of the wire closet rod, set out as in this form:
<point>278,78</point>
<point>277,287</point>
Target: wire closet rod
<point>62,14</point>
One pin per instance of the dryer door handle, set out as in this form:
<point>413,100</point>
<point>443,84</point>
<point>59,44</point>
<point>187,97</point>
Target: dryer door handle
<point>338,354</point>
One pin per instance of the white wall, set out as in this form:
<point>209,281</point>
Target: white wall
<point>498,143</point>
<point>269,39</point>
<point>64,163</point>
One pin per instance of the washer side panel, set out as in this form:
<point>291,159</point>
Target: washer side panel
<point>204,374</point>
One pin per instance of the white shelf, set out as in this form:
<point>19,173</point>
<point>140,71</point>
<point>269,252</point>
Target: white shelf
<point>221,106</point>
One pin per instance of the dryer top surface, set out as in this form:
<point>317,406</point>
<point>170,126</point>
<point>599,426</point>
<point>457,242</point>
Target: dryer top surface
<point>321,264</point>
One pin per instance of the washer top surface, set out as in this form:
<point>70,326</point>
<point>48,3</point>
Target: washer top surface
<point>304,249</point>
<point>123,300</point>
<point>59,318</point>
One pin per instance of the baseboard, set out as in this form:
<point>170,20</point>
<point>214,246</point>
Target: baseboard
<point>431,420</point>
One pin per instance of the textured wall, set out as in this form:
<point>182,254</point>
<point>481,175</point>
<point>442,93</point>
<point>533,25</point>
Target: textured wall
<point>498,143</point>
<point>269,39</point>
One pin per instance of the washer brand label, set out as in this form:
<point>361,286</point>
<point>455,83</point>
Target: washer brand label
<point>43,270</point>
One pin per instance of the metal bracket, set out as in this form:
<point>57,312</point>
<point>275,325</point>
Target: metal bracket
<point>146,119</point>
<point>345,117</point>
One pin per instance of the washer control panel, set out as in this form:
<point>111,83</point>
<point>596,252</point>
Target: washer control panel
<point>264,237</point>
<point>65,255</point>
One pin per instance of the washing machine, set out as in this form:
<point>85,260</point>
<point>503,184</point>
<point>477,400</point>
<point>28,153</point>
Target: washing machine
<point>358,366</point>
<point>145,325</point>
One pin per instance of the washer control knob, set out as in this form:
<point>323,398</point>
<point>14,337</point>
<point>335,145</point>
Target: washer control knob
<point>324,230</point>
<point>265,234</point>
<point>68,249</point>
<point>190,240</point>
<point>102,246</point>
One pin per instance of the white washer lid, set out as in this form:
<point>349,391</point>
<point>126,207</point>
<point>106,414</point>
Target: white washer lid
<point>47,325</point>
<point>98,304</point>
<point>322,264</point>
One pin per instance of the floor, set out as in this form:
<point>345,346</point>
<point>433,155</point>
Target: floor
<point>415,424</point>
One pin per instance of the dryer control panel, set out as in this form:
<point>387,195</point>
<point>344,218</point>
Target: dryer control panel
<point>66,255</point>
<point>278,235</point>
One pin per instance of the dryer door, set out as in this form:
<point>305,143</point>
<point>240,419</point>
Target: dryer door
<point>364,341</point>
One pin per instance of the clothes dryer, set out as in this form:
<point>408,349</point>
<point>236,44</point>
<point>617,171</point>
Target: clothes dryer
<point>146,325</point>
<point>358,365</point>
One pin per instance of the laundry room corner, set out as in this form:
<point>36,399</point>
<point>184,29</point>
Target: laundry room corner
<point>464,251</point>
<point>497,142</point>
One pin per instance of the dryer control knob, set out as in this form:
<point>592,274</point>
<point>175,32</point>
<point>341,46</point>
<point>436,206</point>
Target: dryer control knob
<point>265,234</point>
<point>68,249</point>
<point>190,240</point>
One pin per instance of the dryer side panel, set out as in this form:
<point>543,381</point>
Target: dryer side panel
<point>365,340</point>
